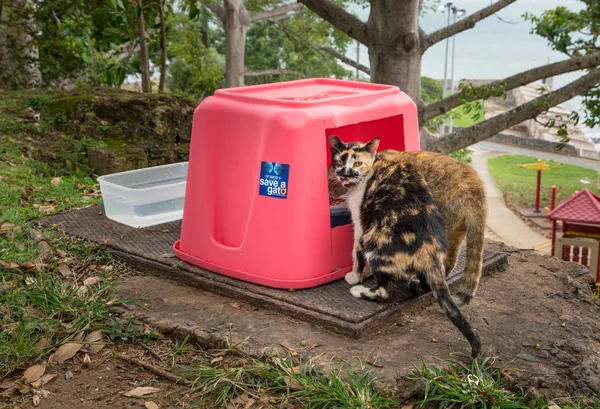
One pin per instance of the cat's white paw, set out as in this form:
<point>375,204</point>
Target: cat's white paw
<point>352,278</point>
<point>358,290</point>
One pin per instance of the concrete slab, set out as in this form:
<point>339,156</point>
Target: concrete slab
<point>530,213</point>
<point>513,311</point>
<point>150,250</point>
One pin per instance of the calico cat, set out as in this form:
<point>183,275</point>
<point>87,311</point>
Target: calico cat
<point>398,229</point>
<point>459,194</point>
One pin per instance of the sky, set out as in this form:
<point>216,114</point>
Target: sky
<point>492,49</point>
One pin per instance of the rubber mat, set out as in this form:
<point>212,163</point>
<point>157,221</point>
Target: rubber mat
<point>149,250</point>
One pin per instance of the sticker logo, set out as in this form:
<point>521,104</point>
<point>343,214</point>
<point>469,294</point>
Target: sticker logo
<point>274,179</point>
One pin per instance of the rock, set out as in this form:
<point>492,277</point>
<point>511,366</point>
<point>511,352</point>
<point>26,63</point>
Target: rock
<point>554,350</point>
<point>526,357</point>
<point>159,125</point>
<point>114,160</point>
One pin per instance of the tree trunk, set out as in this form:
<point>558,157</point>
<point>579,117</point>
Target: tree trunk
<point>141,30</point>
<point>394,45</point>
<point>163,46</point>
<point>236,25</point>
<point>19,55</point>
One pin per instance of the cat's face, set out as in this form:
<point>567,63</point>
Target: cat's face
<point>352,160</point>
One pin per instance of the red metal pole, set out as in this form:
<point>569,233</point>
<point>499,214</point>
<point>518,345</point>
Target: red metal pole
<point>553,236</point>
<point>553,221</point>
<point>537,191</point>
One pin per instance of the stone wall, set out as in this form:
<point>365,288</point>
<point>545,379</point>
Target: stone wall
<point>541,145</point>
<point>131,130</point>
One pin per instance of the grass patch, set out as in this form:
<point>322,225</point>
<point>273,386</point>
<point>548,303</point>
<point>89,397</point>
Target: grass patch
<point>281,381</point>
<point>467,115</point>
<point>518,184</point>
<point>41,304</point>
<point>481,385</point>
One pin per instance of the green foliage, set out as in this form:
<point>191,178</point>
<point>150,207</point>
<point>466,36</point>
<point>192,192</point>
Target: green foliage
<point>518,184</point>
<point>194,69</point>
<point>479,385</point>
<point>574,34</point>
<point>289,381</point>
<point>462,155</point>
<point>431,90</point>
<point>293,45</point>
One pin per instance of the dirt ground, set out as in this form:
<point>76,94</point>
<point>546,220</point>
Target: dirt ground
<point>537,318</point>
<point>102,384</point>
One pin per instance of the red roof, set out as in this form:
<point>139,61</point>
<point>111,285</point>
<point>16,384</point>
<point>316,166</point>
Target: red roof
<point>582,207</point>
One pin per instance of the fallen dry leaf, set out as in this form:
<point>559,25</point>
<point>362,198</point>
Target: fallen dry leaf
<point>66,351</point>
<point>33,373</point>
<point>47,208</point>
<point>27,266</point>
<point>292,351</point>
<point>94,336</point>
<point>20,246</point>
<point>69,375</point>
<point>56,181</point>
<point>552,405</point>
<point>91,281</point>
<point>29,280</point>
<point>313,346</point>
<point>7,384</point>
<point>78,336</point>
<point>65,270</point>
<point>93,339</point>
<point>83,290</point>
<point>141,391</point>
<point>44,380</point>
<point>242,307</point>
<point>41,344</point>
<point>87,360</point>
<point>217,359</point>
<point>150,405</point>
<point>6,226</point>
<point>67,325</point>
<point>9,265</point>
<point>36,400</point>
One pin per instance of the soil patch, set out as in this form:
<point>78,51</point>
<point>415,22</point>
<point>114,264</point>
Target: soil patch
<point>538,318</point>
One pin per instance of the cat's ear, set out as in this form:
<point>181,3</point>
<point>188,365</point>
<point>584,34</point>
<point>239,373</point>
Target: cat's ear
<point>372,146</point>
<point>335,143</point>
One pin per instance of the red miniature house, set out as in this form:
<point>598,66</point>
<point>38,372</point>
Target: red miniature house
<point>257,202</point>
<point>580,241</point>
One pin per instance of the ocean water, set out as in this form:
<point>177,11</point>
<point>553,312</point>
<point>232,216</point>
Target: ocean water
<point>493,49</point>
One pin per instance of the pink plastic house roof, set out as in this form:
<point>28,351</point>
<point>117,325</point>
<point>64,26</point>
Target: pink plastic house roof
<point>308,92</point>
<point>583,207</point>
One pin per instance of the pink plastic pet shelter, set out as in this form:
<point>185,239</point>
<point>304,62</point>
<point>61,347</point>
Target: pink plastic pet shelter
<point>257,202</point>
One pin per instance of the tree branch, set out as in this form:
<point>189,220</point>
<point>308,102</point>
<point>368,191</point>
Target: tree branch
<point>339,18</point>
<point>278,13</point>
<point>218,11</point>
<point>346,60</point>
<point>526,77</point>
<point>529,110</point>
<point>464,24</point>
<point>272,72</point>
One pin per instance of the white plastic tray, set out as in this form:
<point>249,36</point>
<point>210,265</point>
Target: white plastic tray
<point>145,197</point>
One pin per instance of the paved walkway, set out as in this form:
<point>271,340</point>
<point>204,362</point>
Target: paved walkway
<point>501,220</point>
<point>571,160</point>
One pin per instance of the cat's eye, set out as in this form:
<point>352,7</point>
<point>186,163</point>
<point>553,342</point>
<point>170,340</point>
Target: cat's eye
<point>357,164</point>
<point>337,163</point>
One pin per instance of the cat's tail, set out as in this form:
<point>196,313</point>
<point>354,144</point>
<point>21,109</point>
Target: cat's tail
<point>442,293</point>
<point>474,255</point>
